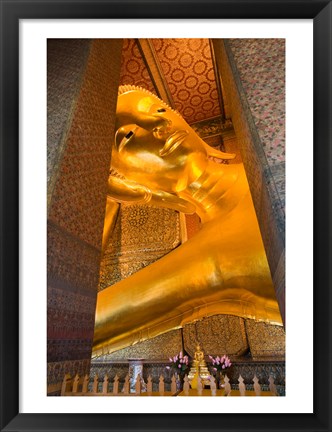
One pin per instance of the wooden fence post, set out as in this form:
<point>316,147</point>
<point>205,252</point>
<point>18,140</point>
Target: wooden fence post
<point>85,384</point>
<point>173,384</point>
<point>272,386</point>
<point>76,383</point>
<point>257,386</point>
<point>95,384</point>
<point>227,386</point>
<point>149,385</point>
<point>213,385</point>
<point>242,386</point>
<point>66,384</point>
<point>161,385</point>
<point>116,385</point>
<point>105,384</point>
<point>126,385</point>
<point>186,385</point>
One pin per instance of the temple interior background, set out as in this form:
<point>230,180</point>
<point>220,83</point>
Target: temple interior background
<point>232,93</point>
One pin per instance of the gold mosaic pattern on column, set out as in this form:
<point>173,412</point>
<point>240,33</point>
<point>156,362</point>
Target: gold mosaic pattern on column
<point>219,334</point>
<point>79,196</point>
<point>265,340</point>
<point>262,185</point>
<point>76,209</point>
<point>142,235</point>
<point>63,84</point>
<point>57,370</point>
<point>158,348</point>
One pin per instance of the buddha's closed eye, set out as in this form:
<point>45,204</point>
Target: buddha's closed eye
<point>123,137</point>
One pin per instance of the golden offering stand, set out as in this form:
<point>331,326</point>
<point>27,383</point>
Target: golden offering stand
<point>199,369</point>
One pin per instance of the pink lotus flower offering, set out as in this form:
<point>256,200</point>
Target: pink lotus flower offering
<point>179,363</point>
<point>219,364</point>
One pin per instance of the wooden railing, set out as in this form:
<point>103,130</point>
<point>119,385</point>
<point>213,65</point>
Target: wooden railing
<point>81,386</point>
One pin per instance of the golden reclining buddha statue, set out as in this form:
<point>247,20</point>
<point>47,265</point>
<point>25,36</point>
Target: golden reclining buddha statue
<point>222,269</point>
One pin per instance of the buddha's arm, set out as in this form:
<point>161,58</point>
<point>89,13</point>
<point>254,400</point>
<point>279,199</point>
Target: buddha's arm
<point>120,190</point>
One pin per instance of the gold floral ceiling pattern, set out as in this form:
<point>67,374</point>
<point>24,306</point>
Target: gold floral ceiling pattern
<point>187,69</point>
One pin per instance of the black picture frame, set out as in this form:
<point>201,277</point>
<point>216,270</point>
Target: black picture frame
<point>14,10</point>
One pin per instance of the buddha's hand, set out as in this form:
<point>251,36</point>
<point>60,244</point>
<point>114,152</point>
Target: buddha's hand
<point>123,190</point>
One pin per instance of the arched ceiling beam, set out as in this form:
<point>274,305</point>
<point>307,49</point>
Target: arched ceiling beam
<point>218,82</point>
<point>155,70</point>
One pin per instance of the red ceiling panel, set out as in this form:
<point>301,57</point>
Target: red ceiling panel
<point>189,73</point>
<point>133,69</point>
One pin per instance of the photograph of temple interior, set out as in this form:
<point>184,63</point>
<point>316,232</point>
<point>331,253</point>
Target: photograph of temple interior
<point>166,217</point>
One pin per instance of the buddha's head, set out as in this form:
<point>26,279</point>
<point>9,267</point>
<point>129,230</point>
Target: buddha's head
<point>154,145</point>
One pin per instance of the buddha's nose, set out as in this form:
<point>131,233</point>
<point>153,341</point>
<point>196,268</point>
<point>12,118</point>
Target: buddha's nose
<point>163,128</point>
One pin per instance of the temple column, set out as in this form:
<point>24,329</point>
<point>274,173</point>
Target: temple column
<point>83,79</point>
<point>257,108</point>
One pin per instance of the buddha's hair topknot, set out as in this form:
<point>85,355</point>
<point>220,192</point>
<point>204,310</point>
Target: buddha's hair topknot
<point>127,88</point>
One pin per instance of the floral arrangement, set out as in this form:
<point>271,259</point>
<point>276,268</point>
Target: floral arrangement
<point>179,363</point>
<point>219,364</point>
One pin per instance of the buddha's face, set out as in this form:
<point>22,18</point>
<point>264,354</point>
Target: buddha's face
<point>154,145</point>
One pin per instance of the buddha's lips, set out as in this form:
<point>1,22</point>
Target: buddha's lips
<point>173,141</point>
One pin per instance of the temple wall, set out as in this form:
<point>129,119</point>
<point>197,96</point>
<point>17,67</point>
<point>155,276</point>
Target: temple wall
<point>253,74</point>
<point>142,234</point>
<point>83,78</point>
<point>217,335</point>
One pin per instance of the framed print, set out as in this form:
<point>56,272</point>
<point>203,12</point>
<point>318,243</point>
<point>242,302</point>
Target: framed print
<point>146,294</point>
